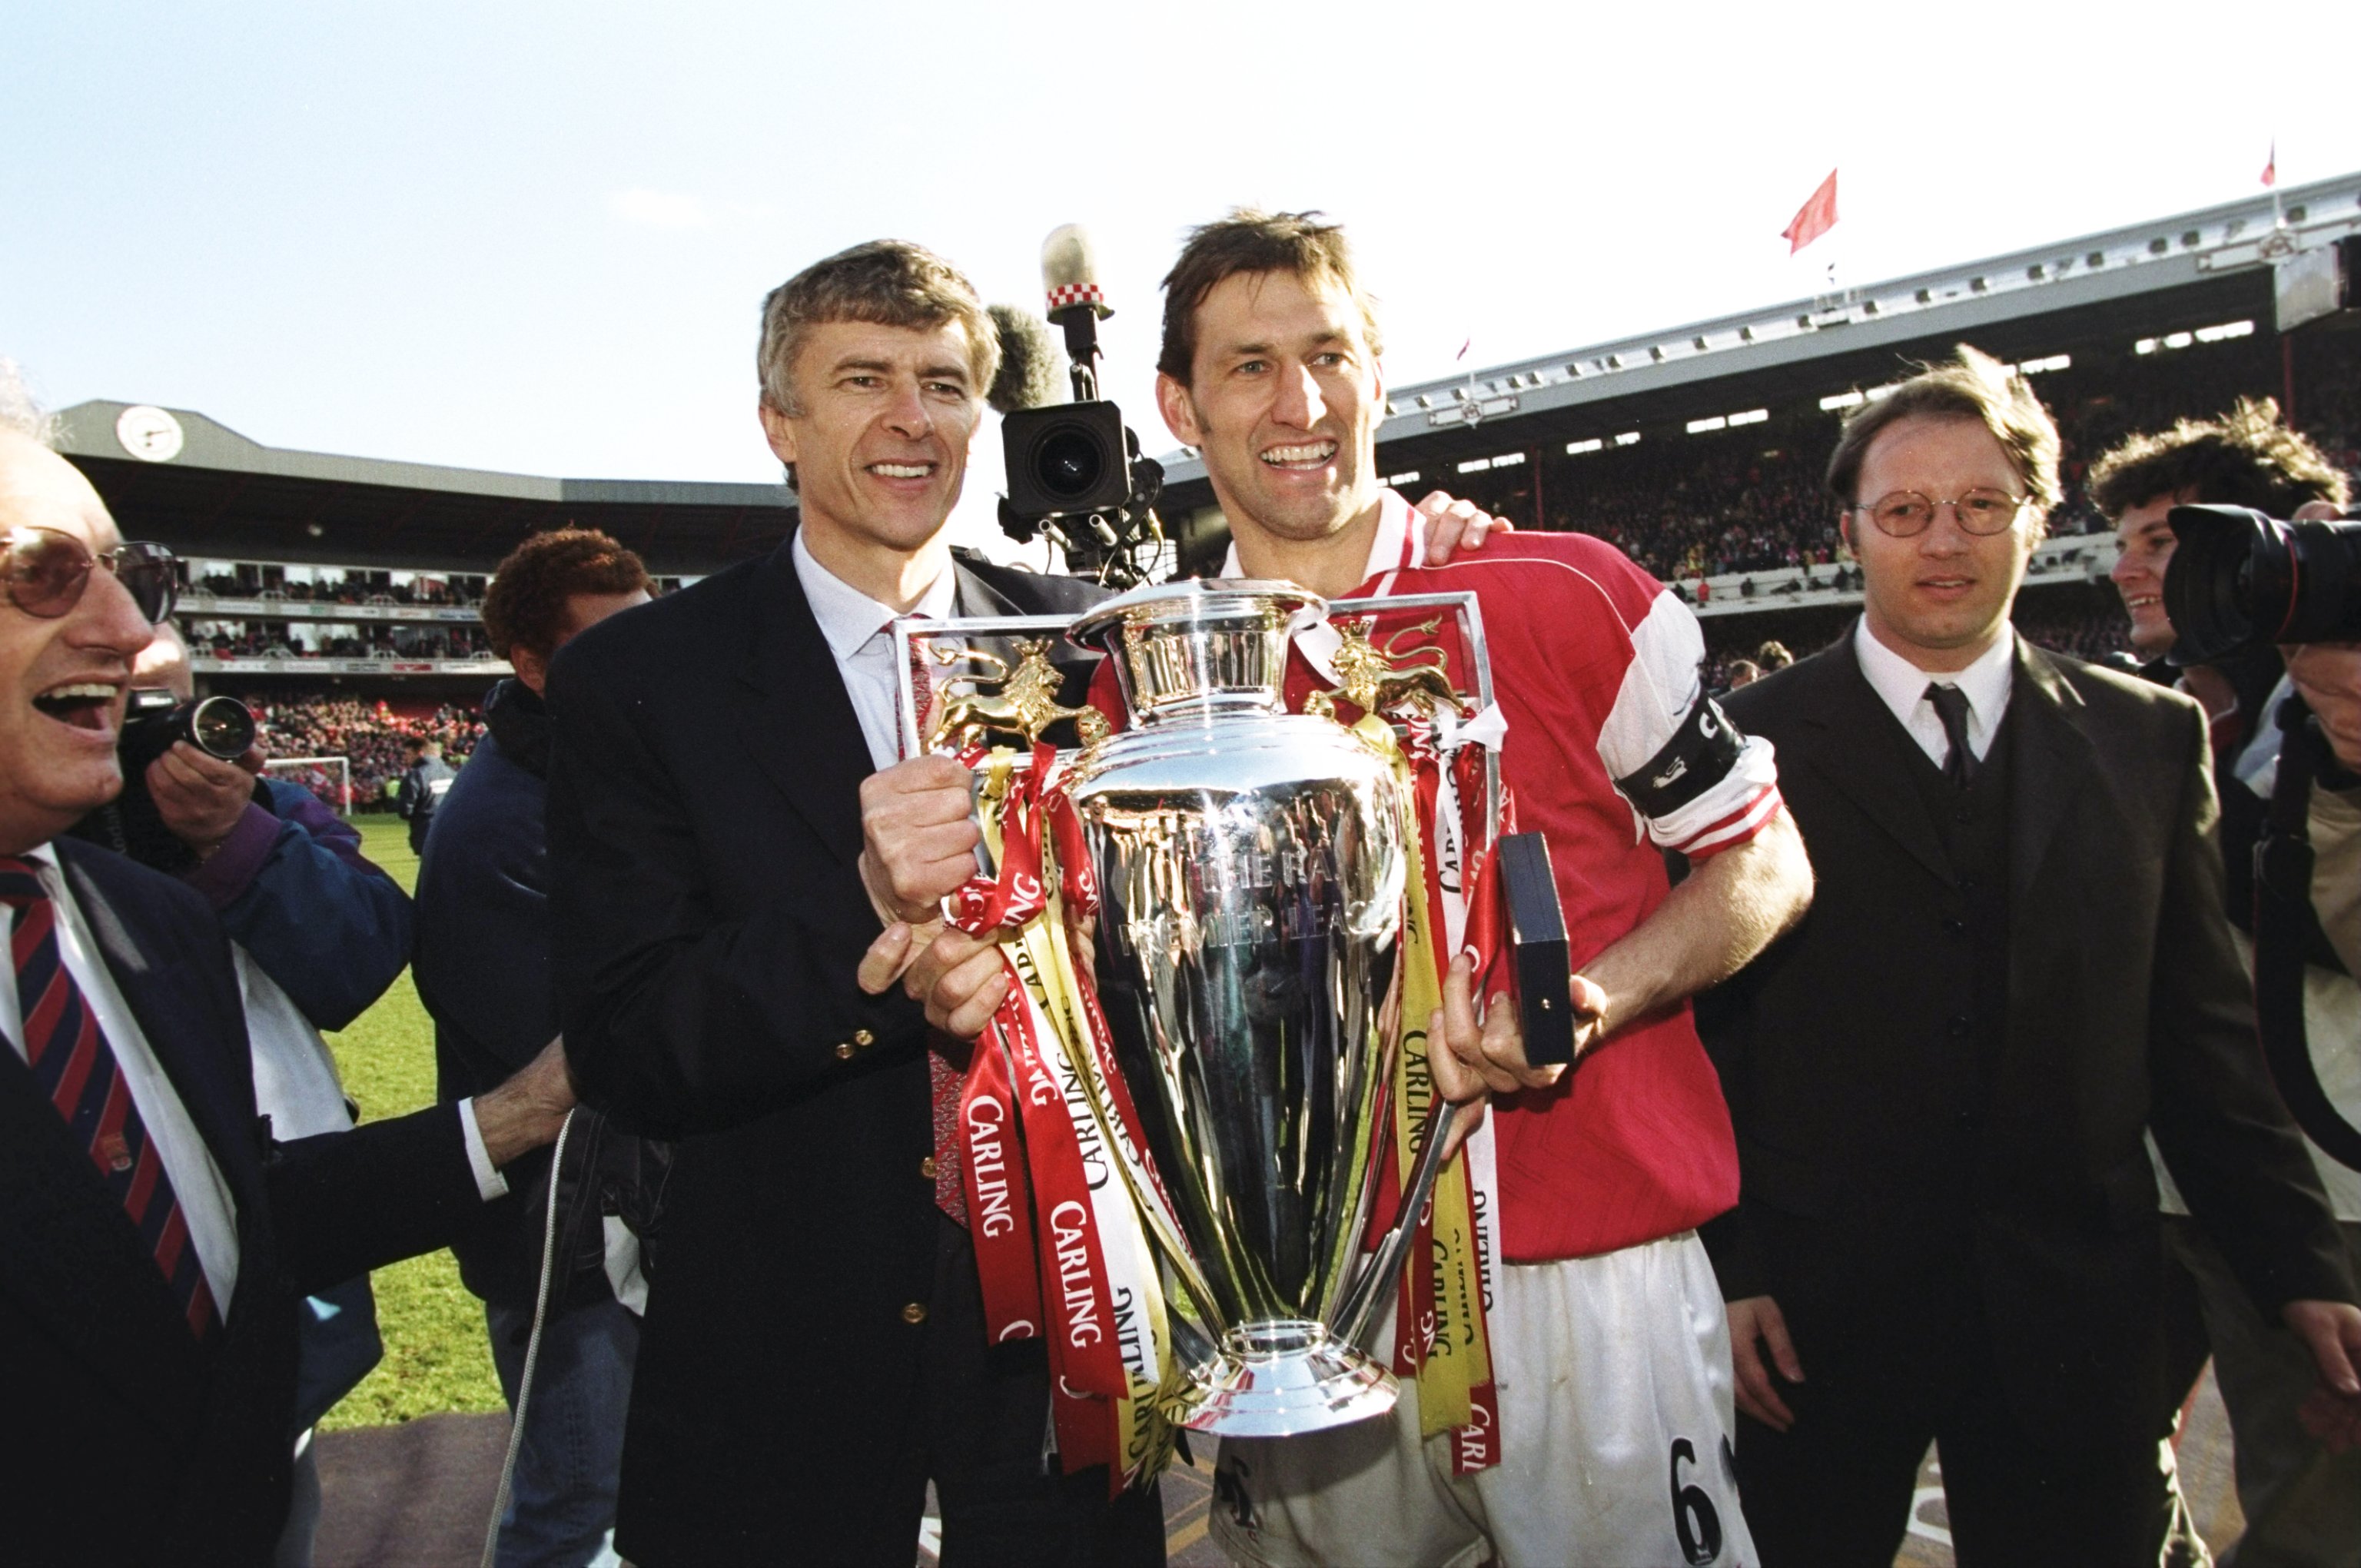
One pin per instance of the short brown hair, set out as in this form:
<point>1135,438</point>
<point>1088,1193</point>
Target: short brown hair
<point>886,282</point>
<point>1251,240</point>
<point>2245,458</point>
<point>1968,385</point>
<point>526,605</point>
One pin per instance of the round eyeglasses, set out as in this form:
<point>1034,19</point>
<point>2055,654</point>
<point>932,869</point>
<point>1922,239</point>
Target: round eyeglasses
<point>46,572</point>
<point>1981,510</point>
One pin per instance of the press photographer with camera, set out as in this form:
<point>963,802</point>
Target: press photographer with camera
<point>2205,616</point>
<point>318,934</point>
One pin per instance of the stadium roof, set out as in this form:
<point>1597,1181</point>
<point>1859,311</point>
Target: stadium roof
<point>193,483</point>
<point>2218,259</point>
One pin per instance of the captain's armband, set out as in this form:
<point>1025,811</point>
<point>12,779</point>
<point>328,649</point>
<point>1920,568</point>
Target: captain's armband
<point>1700,754</point>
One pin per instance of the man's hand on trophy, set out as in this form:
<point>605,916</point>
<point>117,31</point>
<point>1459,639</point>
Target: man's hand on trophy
<point>919,836</point>
<point>960,978</point>
<point>1453,525</point>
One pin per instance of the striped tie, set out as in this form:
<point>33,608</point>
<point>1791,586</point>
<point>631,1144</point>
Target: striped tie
<point>75,1067</point>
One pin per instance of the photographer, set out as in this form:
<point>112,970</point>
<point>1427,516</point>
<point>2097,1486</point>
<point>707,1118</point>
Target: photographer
<point>2301,1500</point>
<point>318,934</point>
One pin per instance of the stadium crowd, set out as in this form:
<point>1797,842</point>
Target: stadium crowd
<point>1751,500</point>
<point>371,734</point>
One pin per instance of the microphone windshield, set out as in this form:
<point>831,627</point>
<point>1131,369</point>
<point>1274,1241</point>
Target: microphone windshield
<point>1030,370</point>
<point>1069,270</point>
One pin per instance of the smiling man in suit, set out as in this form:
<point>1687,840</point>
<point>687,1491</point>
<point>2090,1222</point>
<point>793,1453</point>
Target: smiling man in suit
<point>813,1352</point>
<point>2016,960</point>
<point>154,1241</point>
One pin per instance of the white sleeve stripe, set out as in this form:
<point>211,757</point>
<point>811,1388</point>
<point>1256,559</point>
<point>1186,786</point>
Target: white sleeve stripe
<point>1748,823</point>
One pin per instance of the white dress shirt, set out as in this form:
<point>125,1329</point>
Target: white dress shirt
<point>856,628</point>
<point>1902,686</point>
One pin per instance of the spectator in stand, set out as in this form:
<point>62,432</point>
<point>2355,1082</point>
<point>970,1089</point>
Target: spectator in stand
<point>484,974</point>
<point>1744,673</point>
<point>1774,656</point>
<point>2301,1500</point>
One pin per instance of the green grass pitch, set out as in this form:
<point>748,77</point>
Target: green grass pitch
<point>435,1357</point>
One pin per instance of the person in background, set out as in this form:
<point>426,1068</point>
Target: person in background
<point>421,786</point>
<point>2016,966</point>
<point>483,972</point>
<point>2302,1500</point>
<point>318,934</point>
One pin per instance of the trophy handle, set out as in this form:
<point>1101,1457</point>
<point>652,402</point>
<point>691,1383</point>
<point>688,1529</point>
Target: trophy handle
<point>1359,1305</point>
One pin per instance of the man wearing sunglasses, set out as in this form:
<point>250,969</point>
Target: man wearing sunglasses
<point>157,1241</point>
<point>2016,961</point>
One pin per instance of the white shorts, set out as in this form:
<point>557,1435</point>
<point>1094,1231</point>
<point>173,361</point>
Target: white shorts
<point>1616,1421</point>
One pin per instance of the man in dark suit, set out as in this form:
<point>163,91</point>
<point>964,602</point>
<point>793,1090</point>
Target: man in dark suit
<point>813,1352</point>
<point>156,1241</point>
<point>2016,962</point>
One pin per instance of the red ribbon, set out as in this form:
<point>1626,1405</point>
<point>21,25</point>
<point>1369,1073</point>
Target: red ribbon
<point>999,1195</point>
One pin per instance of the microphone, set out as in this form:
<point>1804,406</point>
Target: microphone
<point>1028,361</point>
<point>1069,275</point>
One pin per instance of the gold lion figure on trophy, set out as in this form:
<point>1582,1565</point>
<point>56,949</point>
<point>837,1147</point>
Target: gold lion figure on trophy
<point>1370,679</point>
<point>1026,702</point>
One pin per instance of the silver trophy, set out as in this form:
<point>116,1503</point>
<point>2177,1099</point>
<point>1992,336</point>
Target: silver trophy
<point>1250,869</point>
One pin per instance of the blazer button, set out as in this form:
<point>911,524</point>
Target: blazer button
<point>926,1167</point>
<point>915,1313</point>
<point>1955,926</point>
<point>844,1050</point>
<point>1960,1024</point>
<point>864,1038</point>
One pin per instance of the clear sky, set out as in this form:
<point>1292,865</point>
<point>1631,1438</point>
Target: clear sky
<point>534,237</point>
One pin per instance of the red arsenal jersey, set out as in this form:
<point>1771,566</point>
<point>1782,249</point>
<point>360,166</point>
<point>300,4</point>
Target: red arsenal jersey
<point>1612,752</point>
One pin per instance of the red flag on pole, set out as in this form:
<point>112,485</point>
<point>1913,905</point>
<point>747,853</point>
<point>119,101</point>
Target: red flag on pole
<point>1817,217</point>
<point>2271,170</point>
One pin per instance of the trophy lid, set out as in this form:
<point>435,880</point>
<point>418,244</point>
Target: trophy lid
<point>1200,644</point>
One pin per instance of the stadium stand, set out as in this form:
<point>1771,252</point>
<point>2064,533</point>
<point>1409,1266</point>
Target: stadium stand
<point>341,595</point>
<point>1699,450</point>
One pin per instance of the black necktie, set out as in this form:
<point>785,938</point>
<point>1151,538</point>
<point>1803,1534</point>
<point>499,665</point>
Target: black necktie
<point>1952,707</point>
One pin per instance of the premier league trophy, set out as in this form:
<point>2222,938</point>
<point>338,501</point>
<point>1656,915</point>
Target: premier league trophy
<point>1249,870</point>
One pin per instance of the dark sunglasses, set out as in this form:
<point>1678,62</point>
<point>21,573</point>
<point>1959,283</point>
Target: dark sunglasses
<point>46,572</point>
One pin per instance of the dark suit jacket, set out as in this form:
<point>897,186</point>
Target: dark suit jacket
<point>133,1443</point>
<point>1867,1179</point>
<point>704,829</point>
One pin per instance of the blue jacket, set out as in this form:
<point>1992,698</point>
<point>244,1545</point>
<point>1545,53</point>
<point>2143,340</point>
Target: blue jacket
<point>291,888</point>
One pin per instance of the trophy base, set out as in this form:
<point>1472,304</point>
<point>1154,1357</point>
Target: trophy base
<point>1285,1376</point>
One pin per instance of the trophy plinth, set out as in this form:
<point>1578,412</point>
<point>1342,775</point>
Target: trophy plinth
<point>1282,1377</point>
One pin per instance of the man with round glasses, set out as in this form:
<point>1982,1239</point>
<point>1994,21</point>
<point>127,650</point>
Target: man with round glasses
<point>2014,962</point>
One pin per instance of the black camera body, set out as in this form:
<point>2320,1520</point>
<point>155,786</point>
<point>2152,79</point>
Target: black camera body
<point>2240,580</point>
<point>1075,471</point>
<point>1068,458</point>
<point>153,721</point>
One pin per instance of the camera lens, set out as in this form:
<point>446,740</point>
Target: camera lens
<point>1069,462</point>
<point>222,726</point>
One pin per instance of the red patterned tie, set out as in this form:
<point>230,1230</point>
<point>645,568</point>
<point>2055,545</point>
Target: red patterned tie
<point>76,1068</point>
